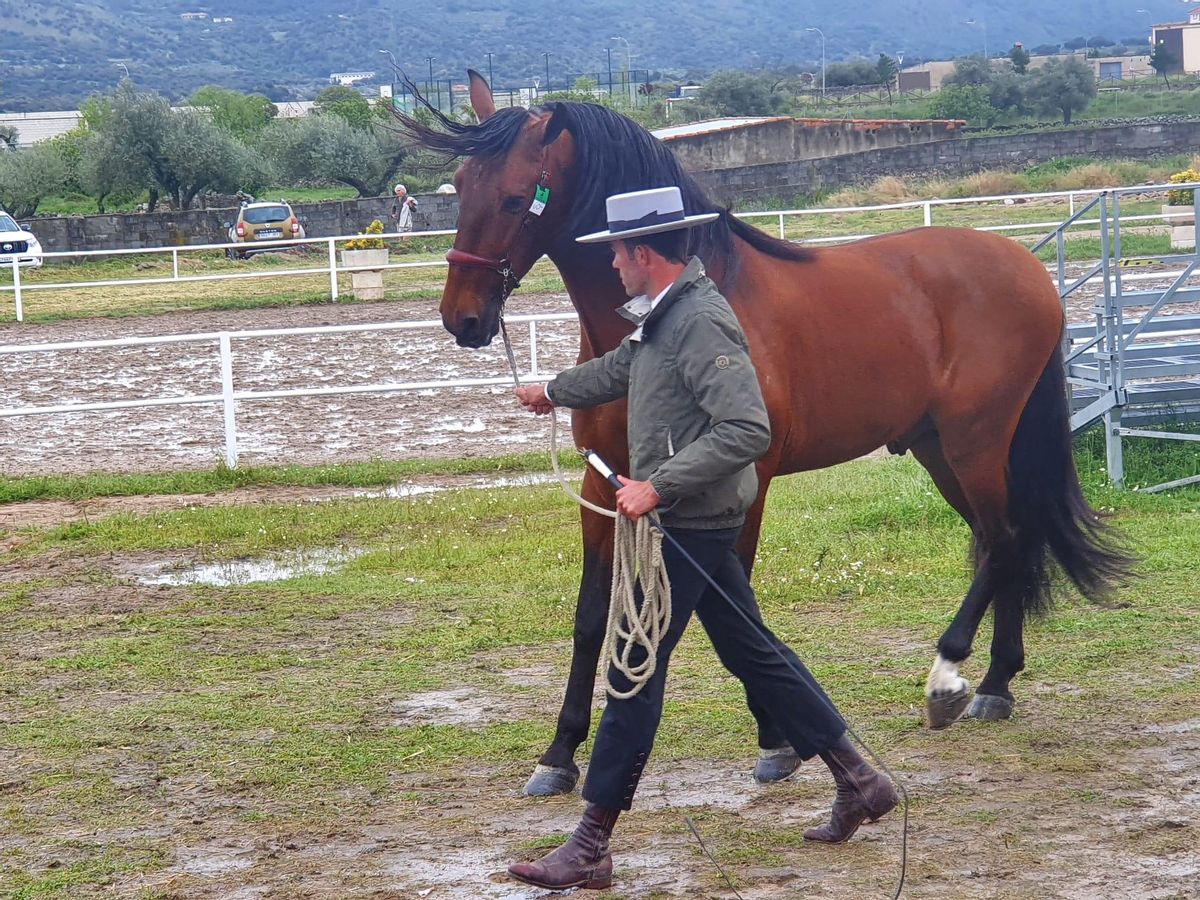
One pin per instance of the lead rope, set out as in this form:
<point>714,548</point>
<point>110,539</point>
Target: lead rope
<point>637,558</point>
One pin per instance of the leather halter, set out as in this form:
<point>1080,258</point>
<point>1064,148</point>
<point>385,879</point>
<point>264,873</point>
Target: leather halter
<point>509,280</point>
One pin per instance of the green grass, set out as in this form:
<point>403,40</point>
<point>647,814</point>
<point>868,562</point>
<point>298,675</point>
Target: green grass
<point>274,704</point>
<point>358,474</point>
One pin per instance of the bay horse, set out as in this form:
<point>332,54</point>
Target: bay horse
<point>944,342</point>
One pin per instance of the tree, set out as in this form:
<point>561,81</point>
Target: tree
<point>1007,92</point>
<point>242,115</point>
<point>853,72</point>
<point>330,149</point>
<point>177,152</point>
<point>1163,61</point>
<point>345,103</point>
<point>964,101</point>
<point>971,70</point>
<point>28,176</point>
<point>734,93</point>
<point>1019,58</point>
<point>887,69</point>
<point>1063,86</point>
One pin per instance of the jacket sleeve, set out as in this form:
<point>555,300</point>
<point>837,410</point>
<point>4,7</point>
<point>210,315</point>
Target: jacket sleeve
<point>714,365</point>
<point>594,382</point>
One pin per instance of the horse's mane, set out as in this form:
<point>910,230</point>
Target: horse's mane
<point>614,155</point>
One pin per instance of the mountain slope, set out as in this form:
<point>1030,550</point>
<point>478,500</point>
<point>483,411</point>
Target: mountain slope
<point>54,53</point>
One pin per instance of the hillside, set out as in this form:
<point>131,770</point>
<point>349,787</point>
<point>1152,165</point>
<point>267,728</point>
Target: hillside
<point>55,52</point>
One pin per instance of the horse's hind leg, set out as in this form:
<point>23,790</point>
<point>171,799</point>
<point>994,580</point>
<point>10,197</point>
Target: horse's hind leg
<point>982,478</point>
<point>947,694</point>
<point>556,772</point>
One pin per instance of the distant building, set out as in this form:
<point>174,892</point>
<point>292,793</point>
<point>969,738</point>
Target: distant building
<point>193,16</point>
<point>222,20</point>
<point>348,78</point>
<point>1181,40</point>
<point>930,76</point>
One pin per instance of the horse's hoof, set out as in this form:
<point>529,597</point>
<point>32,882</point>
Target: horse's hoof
<point>946,709</point>
<point>990,708</point>
<point>776,764</point>
<point>550,781</point>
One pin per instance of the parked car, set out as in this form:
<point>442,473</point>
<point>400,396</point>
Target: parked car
<point>268,221</point>
<point>18,241</point>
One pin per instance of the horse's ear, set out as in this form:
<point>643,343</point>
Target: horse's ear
<point>481,96</point>
<point>557,124</point>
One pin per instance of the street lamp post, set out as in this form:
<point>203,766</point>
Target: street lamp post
<point>391,56</point>
<point>982,23</point>
<point>125,67</point>
<point>547,58</point>
<point>628,74</point>
<point>429,83</point>
<point>491,85</point>
<point>608,50</point>
<point>822,34</point>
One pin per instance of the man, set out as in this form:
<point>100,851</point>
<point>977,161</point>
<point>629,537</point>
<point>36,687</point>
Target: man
<point>697,423</point>
<point>402,210</point>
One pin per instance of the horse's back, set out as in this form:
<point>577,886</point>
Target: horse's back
<point>861,344</point>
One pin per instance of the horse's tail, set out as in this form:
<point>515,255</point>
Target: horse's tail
<point>1047,506</point>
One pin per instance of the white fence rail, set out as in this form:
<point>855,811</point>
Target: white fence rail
<point>333,269</point>
<point>229,396</point>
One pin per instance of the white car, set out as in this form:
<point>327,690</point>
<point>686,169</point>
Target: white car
<point>18,242</point>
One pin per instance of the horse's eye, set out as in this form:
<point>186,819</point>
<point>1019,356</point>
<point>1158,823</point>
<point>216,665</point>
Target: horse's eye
<point>513,205</point>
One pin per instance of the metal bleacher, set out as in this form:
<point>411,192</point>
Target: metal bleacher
<point>1137,363</point>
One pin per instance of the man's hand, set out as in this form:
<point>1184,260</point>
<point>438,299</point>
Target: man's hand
<point>636,498</point>
<point>533,398</point>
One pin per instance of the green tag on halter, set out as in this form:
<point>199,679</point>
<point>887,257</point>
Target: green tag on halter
<point>541,196</point>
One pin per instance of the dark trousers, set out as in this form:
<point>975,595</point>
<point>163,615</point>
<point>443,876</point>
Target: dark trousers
<point>795,702</point>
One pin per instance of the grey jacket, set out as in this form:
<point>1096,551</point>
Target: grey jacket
<point>697,421</point>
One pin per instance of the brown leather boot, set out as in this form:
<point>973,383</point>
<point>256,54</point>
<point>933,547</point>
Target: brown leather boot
<point>582,862</point>
<point>862,794</point>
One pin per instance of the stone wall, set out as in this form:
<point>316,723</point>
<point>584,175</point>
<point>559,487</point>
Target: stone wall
<point>177,229</point>
<point>953,157</point>
<point>778,139</point>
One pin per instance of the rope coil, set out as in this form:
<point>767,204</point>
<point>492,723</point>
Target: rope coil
<point>637,556</point>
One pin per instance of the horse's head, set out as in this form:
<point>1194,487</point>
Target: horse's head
<point>513,199</point>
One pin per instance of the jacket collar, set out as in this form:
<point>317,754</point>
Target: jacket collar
<point>636,309</point>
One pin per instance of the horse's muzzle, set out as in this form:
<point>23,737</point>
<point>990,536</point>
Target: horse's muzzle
<point>475,331</point>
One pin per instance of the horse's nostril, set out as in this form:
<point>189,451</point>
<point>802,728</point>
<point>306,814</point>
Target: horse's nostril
<point>468,324</point>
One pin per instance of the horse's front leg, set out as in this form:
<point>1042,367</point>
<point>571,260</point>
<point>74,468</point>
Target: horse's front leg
<point>556,771</point>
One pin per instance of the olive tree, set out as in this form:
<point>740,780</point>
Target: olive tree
<point>178,153</point>
<point>28,176</point>
<point>1065,87</point>
<point>327,148</point>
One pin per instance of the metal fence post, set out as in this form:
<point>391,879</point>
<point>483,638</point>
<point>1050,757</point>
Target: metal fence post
<point>175,263</point>
<point>781,232</point>
<point>333,290</point>
<point>533,364</point>
<point>1071,201</point>
<point>228,402</point>
<point>928,213</point>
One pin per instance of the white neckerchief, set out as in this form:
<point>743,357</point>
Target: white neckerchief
<point>642,306</point>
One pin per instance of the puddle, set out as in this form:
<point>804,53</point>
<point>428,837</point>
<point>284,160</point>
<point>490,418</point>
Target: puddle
<point>234,572</point>
<point>213,861</point>
<point>1174,728</point>
<point>411,489</point>
<point>459,706</point>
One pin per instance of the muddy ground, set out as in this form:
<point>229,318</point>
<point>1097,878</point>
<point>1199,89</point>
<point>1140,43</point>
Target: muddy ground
<point>1104,808</point>
<point>1118,820</point>
<point>413,424</point>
